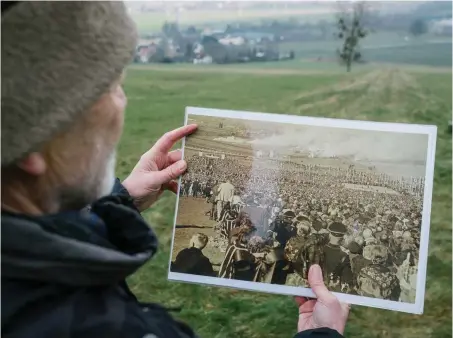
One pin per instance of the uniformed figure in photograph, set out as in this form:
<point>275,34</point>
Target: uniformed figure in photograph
<point>275,205</point>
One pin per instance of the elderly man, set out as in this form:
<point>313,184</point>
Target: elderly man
<point>71,234</point>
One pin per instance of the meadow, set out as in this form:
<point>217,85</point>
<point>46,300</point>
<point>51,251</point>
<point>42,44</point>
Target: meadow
<point>388,47</point>
<point>157,98</point>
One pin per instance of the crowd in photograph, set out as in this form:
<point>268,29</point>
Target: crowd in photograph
<point>279,218</point>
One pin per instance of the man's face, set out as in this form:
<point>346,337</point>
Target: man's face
<point>82,161</point>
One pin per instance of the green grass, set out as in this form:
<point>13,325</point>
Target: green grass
<point>383,47</point>
<point>156,104</point>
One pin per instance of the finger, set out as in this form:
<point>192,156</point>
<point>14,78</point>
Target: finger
<point>170,173</point>
<point>301,300</point>
<point>174,156</point>
<point>307,307</point>
<point>167,141</point>
<point>316,282</point>
<point>171,186</point>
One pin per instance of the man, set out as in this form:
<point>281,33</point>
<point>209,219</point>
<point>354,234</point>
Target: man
<point>236,202</point>
<point>295,253</point>
<point>207,189</point>
<point>64,264</point>
<point>357,261</point>
<point>187,185</point>
<point>196,188</point>
<point>313,249</point>
<point>283,227</point>
<point>238,263</point>
<point>212,201</point>
<point>191,260</point>
<point>336,261</point>
<point>225,193</point>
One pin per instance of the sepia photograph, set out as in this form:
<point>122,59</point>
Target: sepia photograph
<point>266,196</point>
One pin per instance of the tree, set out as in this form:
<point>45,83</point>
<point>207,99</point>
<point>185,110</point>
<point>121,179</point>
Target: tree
<point>171,30</point>
<point>191,30</point>
<point>418,27</point>
<point>351,29</point>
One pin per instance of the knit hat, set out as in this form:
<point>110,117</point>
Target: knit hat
<point>58,59</point>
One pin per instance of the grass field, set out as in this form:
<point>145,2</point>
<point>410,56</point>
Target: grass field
<point>383,47</point>
<point>157,98</point>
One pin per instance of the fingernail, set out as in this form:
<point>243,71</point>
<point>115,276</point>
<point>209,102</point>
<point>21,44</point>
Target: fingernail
<point>315,270</point>
<point>182,165</point>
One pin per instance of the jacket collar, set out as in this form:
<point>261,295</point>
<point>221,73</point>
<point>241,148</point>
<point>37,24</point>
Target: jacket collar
<point>100,246</point>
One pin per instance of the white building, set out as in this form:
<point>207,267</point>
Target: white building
<point>442,27</point>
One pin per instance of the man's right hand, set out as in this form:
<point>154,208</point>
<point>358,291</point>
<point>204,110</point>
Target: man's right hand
<point>325,311</point>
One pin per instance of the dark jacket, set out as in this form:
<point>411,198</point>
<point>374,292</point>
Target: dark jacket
<point>64,275</point>
<point>192,261</point>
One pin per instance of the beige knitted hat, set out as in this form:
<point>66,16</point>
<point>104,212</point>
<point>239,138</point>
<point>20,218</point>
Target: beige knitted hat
<point>58,58</point>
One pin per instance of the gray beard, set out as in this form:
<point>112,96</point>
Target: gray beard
<point>109,176</point>
<point>94,187</point>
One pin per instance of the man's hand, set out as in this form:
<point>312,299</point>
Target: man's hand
<point>325,311</point>
<point>157,169</point>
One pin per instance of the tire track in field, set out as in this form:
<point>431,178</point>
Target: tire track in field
<point>390,91</point>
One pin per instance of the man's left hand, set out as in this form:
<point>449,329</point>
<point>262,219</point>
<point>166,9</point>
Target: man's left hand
<point>157,169</point>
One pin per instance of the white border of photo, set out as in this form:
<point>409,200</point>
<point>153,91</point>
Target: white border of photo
<point>431,131</point>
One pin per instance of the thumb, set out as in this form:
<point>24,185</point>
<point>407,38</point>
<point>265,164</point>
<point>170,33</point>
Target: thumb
<point>169,173</point>
<point>345,307</point>
<point>316,282</point>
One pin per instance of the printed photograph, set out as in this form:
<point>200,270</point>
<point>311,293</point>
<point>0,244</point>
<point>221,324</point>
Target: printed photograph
<point>263,201</point>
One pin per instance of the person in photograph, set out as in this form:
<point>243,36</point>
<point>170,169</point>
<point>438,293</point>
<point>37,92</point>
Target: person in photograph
<point>183,187</point>
<point>71,233</point>
<point>225,193</point>
<point>187,185</point>
<point>283,227</point>
<point>357,261</point>
<point>295,253</point>
<point>236,202</point>
<point>212,200</point>
<point>314,246</point>
<point>377,279</point>
<point>272,267</point>
<point>239,263</point>
<point>337,271</point>
<point>406,268</point>
<point>207,190</point>
<point>192,260</point>
<point>196,187</point>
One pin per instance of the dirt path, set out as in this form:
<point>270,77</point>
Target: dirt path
<point>192,220</point>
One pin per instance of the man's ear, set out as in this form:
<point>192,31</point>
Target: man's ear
<point>34,164</point>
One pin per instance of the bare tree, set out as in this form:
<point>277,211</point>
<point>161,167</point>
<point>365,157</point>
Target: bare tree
<point>351,22</point>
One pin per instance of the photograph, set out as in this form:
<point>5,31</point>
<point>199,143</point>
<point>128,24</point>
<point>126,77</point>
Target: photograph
<point>266,196</point>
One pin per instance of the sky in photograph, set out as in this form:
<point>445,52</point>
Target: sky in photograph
<point>360,144</point>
